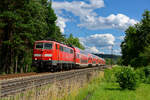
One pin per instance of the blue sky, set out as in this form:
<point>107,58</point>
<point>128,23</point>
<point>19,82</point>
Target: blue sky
<point>99,24</point>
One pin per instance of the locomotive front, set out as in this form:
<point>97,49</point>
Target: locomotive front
<point>42,54</point>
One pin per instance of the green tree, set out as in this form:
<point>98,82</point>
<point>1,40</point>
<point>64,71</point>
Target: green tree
<point>136,40</point>
<point>75,42</point>
<point>145,56</point>
<point>109,61</point>
<point>21,23</point>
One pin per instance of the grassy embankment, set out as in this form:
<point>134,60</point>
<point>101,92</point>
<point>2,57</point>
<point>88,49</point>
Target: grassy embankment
<point>107,89</point>
<point>112,91</point>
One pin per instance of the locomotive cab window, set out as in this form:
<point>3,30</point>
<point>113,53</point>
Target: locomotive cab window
<point>39,46</point>
<point>43,46</point>
<point>48,46</point>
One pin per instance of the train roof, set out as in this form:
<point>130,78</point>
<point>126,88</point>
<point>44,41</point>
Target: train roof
<point>86,53</point>
<point>45,41</point>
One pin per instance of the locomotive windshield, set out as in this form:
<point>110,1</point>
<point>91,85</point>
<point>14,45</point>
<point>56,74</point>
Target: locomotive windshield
<point>39,46</point>
<point>43,46</point>
<point>47,45</point>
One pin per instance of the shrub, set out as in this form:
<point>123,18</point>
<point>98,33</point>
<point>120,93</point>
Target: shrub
<point>147,74</point>
<point>127,78</point>
<point>147,71</point>
<point>109,74</point>
<point>141,74</point>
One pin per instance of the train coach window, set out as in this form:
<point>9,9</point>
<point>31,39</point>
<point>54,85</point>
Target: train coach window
<point>71,51</point>
<point>77,55</point>
<point>64,48</point>
<point>48,46</point>
<point>39,46</point>
<point>68,50</point>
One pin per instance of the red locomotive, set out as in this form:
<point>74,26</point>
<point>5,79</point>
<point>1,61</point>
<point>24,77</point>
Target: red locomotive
<point>55,56</point>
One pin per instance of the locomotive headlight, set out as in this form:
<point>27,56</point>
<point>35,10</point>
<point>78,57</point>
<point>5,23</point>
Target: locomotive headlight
<point>48,55</point>
<point>49,59</point>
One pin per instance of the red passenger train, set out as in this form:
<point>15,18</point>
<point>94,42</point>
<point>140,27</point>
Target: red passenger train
<point>55,56</point>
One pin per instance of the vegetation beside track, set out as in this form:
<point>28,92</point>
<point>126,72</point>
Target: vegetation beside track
<point>106,88</point>
<point>112,91</point>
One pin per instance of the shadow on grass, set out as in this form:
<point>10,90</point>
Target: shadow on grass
<point>113,89</point>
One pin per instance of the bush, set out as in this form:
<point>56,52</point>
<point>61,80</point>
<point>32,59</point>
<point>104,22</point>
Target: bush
<point>147,71</point>
<point>147,74</point>
<point>109,74</point>
<point>141,74</point>
<point>144,74</point>
<point>127,78</point>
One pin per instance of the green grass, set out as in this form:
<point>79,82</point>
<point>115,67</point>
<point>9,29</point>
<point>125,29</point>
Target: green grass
<point>112,91</point>
<point>99,89</point>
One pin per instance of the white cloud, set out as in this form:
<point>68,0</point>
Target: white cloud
<point>61,22</point>
<point>92,49</point>
<point>118,21</point>
<point>89,18</point>
<point>78,8</point>
<point>98,43</point>
<point>98,40</point>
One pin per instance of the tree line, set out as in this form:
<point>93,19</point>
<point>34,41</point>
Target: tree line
<point>136,45</point>
<point>21,23</point>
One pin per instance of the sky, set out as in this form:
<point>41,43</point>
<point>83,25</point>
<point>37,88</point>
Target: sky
<point>99,24</point>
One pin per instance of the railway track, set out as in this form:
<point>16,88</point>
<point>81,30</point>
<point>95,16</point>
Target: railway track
<point>10,76</point>
<point>15,85</point>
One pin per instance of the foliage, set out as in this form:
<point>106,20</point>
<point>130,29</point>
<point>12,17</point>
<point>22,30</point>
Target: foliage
<point>104,90</point>
<point>110,61</point>
<point>21,23</point>
<point>141,74</point>
<point>127,78</point>
<point>109,74</point>
<point>119,61</point>
<point>75,42</point>
<point>147,74</point>
<point>147,71</point>
<point>135,47</point>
